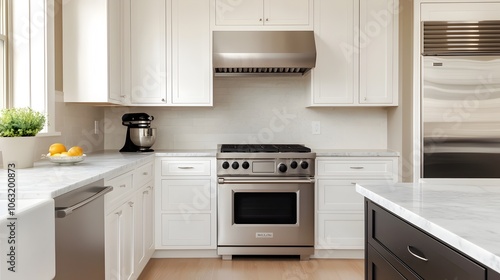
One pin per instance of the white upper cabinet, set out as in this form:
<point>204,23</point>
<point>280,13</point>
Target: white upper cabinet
<point>92,51</point>
<point>283,13</point>
<point>336,71</point>
<point>191,53</point>
<point>357,53</point>
<point>148,52</point>
<point>378,45</point>
<point>170,53</point>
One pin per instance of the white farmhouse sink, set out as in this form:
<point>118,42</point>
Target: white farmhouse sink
<point>35,240</point>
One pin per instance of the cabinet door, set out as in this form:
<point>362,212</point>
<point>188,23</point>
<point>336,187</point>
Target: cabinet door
<point>340,231</point>
<point>115,43</point>
<point>143,232</point>
<point>242,12</point>
<point>340,195</point>
<point>119,243</point>
<point>186,195</point>
<point>378,49</point>
<point>380,269</point>
<point>148,51</point>
<point>286,12</point>
<point>335,76</point>
<point>191,53</point>
<point>187,230</point>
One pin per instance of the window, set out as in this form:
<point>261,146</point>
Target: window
<point>31,55</point>
<point>3,53</point>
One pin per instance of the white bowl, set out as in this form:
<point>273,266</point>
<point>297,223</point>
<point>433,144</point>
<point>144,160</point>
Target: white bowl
<point>65,159</point>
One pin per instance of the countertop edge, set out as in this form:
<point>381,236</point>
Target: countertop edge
<point>456,242</point>
<point>355,153</point>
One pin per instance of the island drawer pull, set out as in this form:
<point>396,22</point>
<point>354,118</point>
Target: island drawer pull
<point>186,167</point>
<point>415,255</point>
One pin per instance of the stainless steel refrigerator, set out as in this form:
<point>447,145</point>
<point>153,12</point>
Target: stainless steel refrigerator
<point>460,100</point>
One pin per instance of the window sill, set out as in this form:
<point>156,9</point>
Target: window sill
<point>48,134</point>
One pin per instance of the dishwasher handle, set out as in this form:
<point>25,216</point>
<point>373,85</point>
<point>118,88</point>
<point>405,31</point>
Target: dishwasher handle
<point>62,212</point>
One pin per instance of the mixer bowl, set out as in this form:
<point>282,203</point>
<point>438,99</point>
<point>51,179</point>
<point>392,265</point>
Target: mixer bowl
<point>144,138</point>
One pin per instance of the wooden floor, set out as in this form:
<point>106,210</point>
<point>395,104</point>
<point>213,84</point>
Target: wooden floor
<point>253,268</point>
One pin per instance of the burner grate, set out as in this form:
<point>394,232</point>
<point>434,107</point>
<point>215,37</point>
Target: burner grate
<point>264,148</point>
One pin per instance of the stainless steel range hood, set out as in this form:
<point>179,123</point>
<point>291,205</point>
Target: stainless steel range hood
<point>238,53</point>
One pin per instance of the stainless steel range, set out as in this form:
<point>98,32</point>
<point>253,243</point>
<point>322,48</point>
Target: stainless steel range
<point>265,200</point>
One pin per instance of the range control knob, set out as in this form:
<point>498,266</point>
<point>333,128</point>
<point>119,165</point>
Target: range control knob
<point>304,165</point>
<point>235,165</point>
<point>225,165</point>
<point>294,164</point>
<point>245,165</point>
<point>282,167</point>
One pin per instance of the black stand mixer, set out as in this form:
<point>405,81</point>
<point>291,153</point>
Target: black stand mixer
<point>140,135</point>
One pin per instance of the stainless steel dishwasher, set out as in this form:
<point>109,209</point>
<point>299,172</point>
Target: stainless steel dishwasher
<point>80,233</point>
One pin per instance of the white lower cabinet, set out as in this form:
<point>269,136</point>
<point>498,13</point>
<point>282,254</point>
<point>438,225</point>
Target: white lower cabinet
<point>120,243</point>
<point>339,208</point>
<point>129,225</point>
<point>185,203</point>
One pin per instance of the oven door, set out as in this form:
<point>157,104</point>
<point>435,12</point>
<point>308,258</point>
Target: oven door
<point>266,212</point>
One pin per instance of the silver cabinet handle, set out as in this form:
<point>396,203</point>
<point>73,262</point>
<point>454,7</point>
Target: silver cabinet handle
<point>130,203</point>
<point>62,212</point>
<point>415,255</point>
<point>123,186</point>
<point>119,213</point>
<point>185,167</point>
<point>357,167</point>
<point>145,173</point>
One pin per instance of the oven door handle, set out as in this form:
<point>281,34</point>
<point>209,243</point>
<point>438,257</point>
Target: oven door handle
<point>266,181</point>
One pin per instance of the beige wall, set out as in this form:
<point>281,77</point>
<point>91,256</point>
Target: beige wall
<point>400,118</point>
<point>75,122</point>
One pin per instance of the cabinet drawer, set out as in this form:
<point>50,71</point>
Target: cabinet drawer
<point>341,231</point>
<point>186,195</point>
<point>122,185</point>
<point>339,195</point>
<point>366,168</point>
<point>185,168</point>
<point>143,174</point>
<point>409,244</point>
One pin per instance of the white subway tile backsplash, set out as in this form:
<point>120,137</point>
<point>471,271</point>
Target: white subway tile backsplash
<point>257,110</point>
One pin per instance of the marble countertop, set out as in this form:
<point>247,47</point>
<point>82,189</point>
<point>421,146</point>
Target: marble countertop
<point>48,180</point>
<point>466,217</point>
<point>354,153</point>
<point>186,153</point>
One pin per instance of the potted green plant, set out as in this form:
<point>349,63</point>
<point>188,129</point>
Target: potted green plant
<point>18,126</point>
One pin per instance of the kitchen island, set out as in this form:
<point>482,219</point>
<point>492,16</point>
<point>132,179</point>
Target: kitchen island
<point>463,219</point>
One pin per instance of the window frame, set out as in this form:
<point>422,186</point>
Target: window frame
<point>31,53</point>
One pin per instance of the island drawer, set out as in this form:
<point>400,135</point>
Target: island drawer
<point>185,167</point>
<point>358,168</point>
<point>426,256</point>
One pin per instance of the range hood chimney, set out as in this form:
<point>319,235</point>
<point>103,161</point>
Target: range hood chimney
<point>237,53</point>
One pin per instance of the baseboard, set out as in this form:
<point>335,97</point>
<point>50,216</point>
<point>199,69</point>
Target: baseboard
<point>338,254</point>
<point>184,254</point>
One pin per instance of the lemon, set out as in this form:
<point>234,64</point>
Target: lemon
<point>64,154</point>
<point>75,151</point>
<point>56,148</point>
